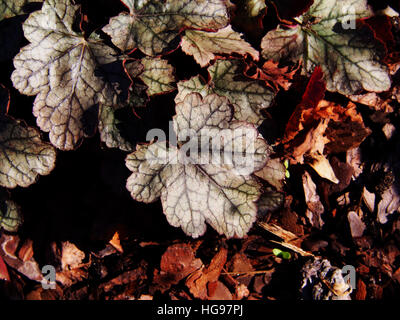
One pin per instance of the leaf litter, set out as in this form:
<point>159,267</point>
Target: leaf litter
<point>321,196</point>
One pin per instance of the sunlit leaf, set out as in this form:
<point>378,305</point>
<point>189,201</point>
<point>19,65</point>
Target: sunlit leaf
<point>153,25</point>
<point>200,187</point>
<point>202,45</point>
<point>59,67</point>
<point>248,96</point>
<point>328,35</point>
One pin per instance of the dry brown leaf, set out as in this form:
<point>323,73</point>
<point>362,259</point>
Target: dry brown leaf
<point>290,240</point>
<point>322,166</point>
<point>116,243</point>
<point>71,256</point>
<point>25,253</point>
<point>313,142</point>
<point>287,236</point>
<point>177,263</point>
<point>314,206</point>
<point>357,226</point>
<point>198,281</point>
<point>273,75</point>
<point>4,275</point>
<point>129,280</point>
<point>219,292</point>
<point>373,100</point>
<point>10,255</point>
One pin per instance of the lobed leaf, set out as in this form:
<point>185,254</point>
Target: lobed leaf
<point>152,25</point>
<point>202,44</point>
<point>23,156</point>
<point>193,190</point>
<point>59,67</point>
<point>327,35</point>
<point>248,96</point>
<point>158,75</point>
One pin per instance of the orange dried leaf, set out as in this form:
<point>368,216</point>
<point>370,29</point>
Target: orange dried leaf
<point>116,242</point>
<point>273,75</point>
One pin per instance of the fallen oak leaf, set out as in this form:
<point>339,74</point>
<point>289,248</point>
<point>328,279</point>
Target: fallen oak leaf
<point>322,166</point>
<point>71,256</point>
<point>273,75</point>
<point>319,127</point>
<point>315,208</point>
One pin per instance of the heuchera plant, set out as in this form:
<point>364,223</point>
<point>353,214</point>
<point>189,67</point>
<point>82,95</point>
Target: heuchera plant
<point>71,72</point>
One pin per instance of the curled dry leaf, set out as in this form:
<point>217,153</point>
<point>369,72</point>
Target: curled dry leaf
<point>349,55</point>
<point>373,100</point>
<point>193,187</point>
<point>71,256</point>
<point>319,127</point>
<point>202,45</point>
<point>314,206</point>
<point>203,282</point>
<point>153,25</point>
<point>389,204</point>
<point>9,251</point>
<point>59,67</point>
<point>274,173</point>
<point>248,96</point>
